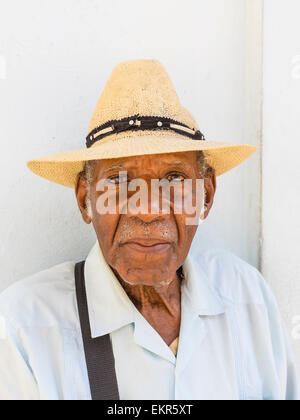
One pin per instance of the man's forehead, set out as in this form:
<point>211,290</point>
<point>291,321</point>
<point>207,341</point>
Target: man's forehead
<point>174,159</point>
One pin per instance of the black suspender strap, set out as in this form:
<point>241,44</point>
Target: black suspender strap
<point>98,351</point>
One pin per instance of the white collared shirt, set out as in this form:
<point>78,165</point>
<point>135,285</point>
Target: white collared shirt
<point>232,342</point>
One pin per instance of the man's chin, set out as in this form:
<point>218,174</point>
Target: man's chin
<point>137,267</point>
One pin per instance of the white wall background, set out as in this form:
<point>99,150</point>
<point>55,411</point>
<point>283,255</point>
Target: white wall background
<point>281,168</point>
<point>55,58</point>
<point>58,56</point>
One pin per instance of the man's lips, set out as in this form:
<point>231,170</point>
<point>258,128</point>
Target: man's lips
<point>148,245</point>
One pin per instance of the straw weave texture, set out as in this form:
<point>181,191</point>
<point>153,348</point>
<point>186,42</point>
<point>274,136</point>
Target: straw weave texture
<point>138,87</point>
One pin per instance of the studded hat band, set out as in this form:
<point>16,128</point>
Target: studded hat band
<point>137,122</point>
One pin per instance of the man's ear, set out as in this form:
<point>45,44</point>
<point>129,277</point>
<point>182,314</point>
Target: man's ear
<point>210,185</point>
<point>81,191</point>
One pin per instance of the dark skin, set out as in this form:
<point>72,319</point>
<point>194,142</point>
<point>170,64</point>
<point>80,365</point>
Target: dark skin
<point>145,251</point>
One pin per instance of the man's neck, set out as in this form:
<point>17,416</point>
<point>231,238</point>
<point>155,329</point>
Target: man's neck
<point>159,305</point>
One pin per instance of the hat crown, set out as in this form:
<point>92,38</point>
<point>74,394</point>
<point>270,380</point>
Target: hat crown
<point>139,87</point>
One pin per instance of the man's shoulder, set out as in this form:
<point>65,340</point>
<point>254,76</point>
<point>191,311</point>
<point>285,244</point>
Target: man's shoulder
<point>233,278</point>
<point>43,292</point>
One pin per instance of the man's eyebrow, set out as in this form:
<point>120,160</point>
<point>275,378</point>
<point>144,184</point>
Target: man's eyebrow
<point>114,168</point>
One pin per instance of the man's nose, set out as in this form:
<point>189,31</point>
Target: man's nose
<point>152,206</point>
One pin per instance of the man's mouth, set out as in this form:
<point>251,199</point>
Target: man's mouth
<point>148,246</point>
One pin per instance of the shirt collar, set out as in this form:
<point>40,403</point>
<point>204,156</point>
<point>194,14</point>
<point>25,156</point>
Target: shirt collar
<point>108,304</point>
<point>198,290</point>
<point>110,307</point>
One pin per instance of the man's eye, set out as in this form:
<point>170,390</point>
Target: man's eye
<point>116,179</point>
<point>175,177</point>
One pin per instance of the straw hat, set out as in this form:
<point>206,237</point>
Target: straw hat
<point>139,113</point>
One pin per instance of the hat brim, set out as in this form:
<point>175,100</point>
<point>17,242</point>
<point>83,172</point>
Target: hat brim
<point>63,168</point>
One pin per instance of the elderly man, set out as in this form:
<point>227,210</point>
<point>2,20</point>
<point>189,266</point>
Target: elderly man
<point>143,317</point>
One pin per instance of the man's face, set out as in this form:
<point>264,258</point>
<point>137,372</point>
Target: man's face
<point>145,249</point>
